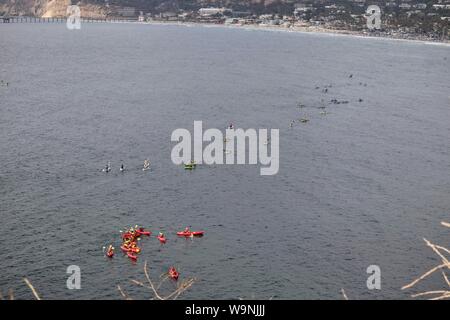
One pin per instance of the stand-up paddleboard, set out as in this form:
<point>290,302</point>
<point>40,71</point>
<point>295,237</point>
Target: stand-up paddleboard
<point>146,165</point>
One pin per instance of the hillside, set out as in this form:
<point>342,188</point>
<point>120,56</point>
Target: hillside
<point>46,8</point>
<point>50,8</point>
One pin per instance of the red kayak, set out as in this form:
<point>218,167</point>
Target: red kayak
<point>132,256</point>
<point>134,250</point>
<point>110,254</point>
<point>161,239</point>
<point>190,233</point>
<point>173,273</point>
<point>128,235</point>
<point>143,232</point>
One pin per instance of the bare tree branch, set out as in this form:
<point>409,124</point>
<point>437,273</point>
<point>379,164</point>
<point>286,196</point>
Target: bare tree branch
<point>343,294</point>
<point>440,251</point>
<point>155,290</point>
<point>32,288</point>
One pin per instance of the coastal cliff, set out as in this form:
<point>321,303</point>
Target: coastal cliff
<point>102,8</point>
<point>50,8</point>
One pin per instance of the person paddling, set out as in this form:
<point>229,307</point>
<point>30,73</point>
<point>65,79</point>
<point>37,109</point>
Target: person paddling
<point>110,251</point>
<point>146,164</point>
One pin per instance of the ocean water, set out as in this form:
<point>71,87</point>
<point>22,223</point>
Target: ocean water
<point>359,186</point>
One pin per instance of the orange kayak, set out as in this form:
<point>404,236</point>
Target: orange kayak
<point>143,232</point>
<point>132,256</point>
<point>190,233</point>
<point>134,250</point>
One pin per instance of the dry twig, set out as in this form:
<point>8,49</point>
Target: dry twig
<point>32,288</point>
<point>344,294</point>
<point>441,252</point>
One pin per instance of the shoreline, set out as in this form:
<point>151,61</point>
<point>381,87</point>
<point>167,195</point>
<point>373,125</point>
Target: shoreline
<point>302,30</point>
<point>274,28</point>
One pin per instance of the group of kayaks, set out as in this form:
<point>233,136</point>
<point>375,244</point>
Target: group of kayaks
<point>130,240</point>
<point>131,249</point>
<point>129,245</point>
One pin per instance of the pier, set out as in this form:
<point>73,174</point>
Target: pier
<point>20,19</point>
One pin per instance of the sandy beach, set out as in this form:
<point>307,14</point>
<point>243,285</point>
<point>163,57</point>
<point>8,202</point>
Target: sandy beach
<point>308,30</point>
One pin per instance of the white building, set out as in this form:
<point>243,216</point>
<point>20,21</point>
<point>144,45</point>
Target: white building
<point>207,12</point>
<point>266,17</point>
<point>420,6</point>
<point>301,7</point>
<point>127,12</point>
